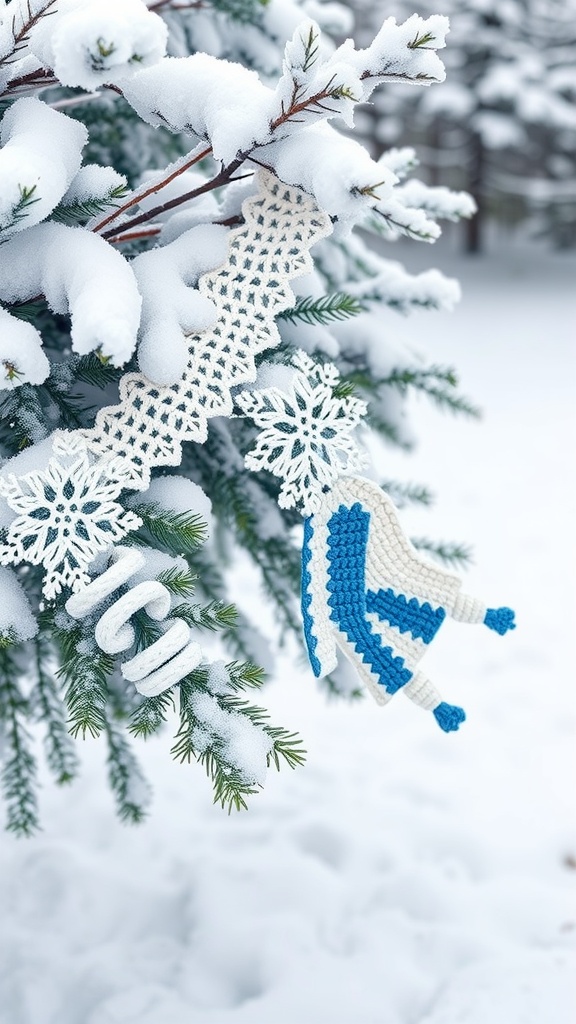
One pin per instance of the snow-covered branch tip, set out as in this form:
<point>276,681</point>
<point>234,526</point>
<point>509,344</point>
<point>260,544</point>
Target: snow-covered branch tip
<point>40,156</point>
<point>228,105</point>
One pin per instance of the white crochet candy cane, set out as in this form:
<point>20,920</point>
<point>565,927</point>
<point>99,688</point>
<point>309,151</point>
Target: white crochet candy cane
<point>167,660</point>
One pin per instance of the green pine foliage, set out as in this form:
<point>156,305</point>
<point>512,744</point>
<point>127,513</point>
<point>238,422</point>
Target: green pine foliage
<point>80,212</point>
<point>19,211</point>
<point>78,692</point>
<point>49,709</point>
<point>324,310</point>
<point>450,553</point>
<point>231,784</point>
<point>178,533</point>
<point>438,383</point>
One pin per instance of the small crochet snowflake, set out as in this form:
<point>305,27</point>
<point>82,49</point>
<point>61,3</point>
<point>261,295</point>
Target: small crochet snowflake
<point>66,514</point>
<point>307,433</point>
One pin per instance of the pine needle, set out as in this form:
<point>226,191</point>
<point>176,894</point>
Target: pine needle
<point>324,310</point>
<point>449,553</point>
<point>177,532</point>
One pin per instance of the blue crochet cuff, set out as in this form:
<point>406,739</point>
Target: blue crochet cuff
<point>500,620</point>
<point>449,716</point>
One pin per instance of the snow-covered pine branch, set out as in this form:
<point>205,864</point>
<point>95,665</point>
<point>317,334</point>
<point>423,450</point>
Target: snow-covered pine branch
<point>404,292</point>
<point>229,107</point>
<point>175,107</point>
<point>40,156</point>
<point>88,44</point>
<point>81,276</point>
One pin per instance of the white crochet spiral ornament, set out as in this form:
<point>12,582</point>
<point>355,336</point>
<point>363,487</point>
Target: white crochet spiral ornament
<point>365,590</point>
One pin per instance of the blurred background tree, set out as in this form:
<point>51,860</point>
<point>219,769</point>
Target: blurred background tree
<point>503,126</point>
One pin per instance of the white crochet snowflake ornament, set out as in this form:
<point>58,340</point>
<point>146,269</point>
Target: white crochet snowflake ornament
<point>307,436</point>
<point>66,514</point>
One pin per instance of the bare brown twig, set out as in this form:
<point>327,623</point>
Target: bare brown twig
<point>137,197</point>
<point>135,235</point>
<point>38,79</point>
<point>21,36</point>
<point>224,177</point>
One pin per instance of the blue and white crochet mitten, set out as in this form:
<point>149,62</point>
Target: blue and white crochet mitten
<point>367,591</point>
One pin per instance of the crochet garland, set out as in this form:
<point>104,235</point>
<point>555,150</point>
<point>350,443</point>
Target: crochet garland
<point>365,590</point>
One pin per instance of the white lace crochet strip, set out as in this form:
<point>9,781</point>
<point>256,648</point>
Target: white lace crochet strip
<point>168,659</point>
<point>150,423</point>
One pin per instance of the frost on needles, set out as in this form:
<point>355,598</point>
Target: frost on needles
<point>130,137</point>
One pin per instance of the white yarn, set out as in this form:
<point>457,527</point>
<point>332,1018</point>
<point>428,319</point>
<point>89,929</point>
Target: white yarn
<point>114,632</point>
<point>167,660</point>
<point>390,559</point>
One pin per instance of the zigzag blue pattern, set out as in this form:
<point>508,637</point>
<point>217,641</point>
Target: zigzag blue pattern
<point>348,536</point>
<point>421,620</point>
<point>308,621</point>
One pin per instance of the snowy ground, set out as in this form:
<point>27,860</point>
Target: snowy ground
<point>404,876</point>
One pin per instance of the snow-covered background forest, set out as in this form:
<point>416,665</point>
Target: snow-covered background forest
<point>402,876</point>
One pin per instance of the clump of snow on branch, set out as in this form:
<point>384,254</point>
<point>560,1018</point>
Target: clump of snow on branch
<point>94,183</point>
<point>90,44</point>
<point>41,154</point>
<point>393,286</point>
<point>175,493</point>
<point>80,275</point>
<point>310,159</point>
<point>228,105</point>
<point>215,100</point>
<point>22,360</point>
<point>401,161</point>
<point>437,201</point>
<point>218,680</point>
<point>171,307</point>
<point>403,53</point>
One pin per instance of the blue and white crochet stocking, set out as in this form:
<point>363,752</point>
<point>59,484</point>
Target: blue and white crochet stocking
<point>367,591</point>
